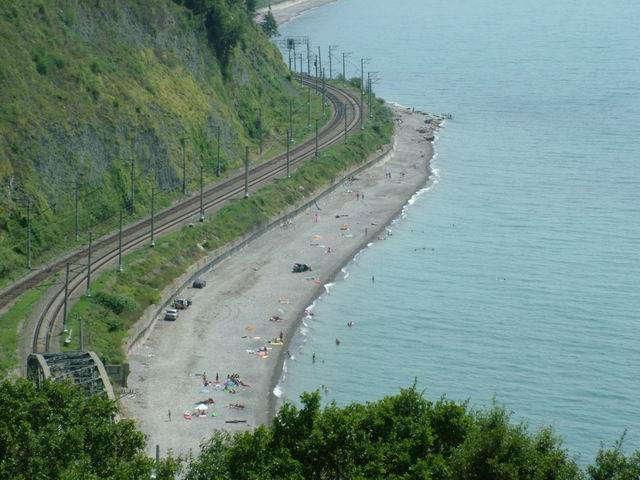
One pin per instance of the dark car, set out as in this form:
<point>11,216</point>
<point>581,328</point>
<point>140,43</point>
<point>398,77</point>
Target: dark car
<point>300,267</point>
<point>199,283</point>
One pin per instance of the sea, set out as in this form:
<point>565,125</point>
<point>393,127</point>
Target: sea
<point>514,275</point>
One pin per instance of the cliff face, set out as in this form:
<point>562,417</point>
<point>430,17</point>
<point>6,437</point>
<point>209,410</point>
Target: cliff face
<point>89,86</point>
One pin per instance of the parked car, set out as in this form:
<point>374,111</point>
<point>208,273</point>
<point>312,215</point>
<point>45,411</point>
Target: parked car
<point>171,314</point>
<point>199,283</point>
<point>182,303</point>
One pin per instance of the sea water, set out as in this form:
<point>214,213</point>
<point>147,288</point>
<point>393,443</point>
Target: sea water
<point>517,275</point>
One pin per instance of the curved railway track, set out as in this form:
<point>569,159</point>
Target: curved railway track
<point>106,249</point>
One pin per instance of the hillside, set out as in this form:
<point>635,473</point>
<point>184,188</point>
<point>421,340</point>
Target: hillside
<point>90,88</point>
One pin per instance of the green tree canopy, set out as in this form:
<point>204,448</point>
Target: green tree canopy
<point>399,437</point>
<point>57,432</point>
<point>269,24</point>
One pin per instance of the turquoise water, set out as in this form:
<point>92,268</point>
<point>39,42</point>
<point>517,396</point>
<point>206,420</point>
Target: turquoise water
<point>517,275</point>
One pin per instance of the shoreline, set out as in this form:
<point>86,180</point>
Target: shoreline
<point>229,319</point>
<point>275,401</point>
<point>288,10</point>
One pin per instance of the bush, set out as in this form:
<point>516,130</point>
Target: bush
<point>116,302</point>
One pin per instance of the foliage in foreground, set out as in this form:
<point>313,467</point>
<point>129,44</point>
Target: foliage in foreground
<point>58,433</point>
<point>400,437</point>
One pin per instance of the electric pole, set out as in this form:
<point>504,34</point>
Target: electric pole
<point>260,131</point>
<point>153,205</point>
<point>309,107</point>
<point>66,299</point>
<point>201,193</point>
<point>246,172</point>
<point>362,93</point>
<point>89,264</point>
<point>288,144</point>
<point>323,94</point>
<point>120,267</point>
<point>316,138</point>
<point>330,63</point>
<point>344,65</point>
<point>289,58</point>
<point>218,162</point>
<point>331,48</point>
<point>308,59</point>
<point>345,122</point>
<point>184,167</point>
<point>319,60</point>
<point>29,234</point>
<point>291,118</point>
<point>77,199</point>
<point>133,160</point>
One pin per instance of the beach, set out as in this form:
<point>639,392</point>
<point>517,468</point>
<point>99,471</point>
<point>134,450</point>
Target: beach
<point>286,11</point>
<point>253,297</point>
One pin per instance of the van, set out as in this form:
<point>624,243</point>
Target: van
<point>171,314</point>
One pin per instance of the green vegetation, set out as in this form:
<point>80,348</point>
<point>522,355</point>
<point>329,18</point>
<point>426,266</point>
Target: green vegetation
<point>90,87</point>
<point>58,433</point>
<point>9,323</point>
<point>55,432</point>
<point>269,25</point>
<point>120,298</point>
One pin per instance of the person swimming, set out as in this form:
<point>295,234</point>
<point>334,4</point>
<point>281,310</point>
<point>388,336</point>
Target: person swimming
<point>337,341</point>
<point>350,323</point>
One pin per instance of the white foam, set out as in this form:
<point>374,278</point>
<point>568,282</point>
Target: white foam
<point>277,391</point>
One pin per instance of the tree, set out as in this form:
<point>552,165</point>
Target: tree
<point>251,6</point>
<point>399,437</point>
<point>59,432</point>
<point>269,24</point>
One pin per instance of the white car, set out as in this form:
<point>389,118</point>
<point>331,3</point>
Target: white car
<point>171,314</point>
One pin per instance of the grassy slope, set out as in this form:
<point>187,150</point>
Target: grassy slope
<point>120,298</point>
<point>85,86</point>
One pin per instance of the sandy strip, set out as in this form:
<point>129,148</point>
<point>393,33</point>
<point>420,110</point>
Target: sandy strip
<point>286,11</point>
<point>230,318</point>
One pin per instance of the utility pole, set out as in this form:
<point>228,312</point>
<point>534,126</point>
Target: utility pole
<point>331,49</point>
<point>309,107</point>
<point>218,161</point>
<point>29,234</point>
<point>153,208</point>
<point>319,60</point>
<point>330,63</point>
<point>246,172</point>
<point>260,131</point>
<point>323,94</point>
<point>289,58</point>
<point>291,118</point>
<point>345,122</point>
<point>301,64</point>
<point>184,167</point>
<point>294,56</point>
<point>133,160</point>
<point>288,144</point>
<point>369,92</point>
<point>89,264</point>
<point>66,299</point>
<point>362,93</point>
<point>77,199</point>
<point>344,64</point>
<point>120,267</point>
<point>315,64</point>
<point>81,339</point>
<point>201,193</point>
<point>308,59</point>
<point>316,138</point>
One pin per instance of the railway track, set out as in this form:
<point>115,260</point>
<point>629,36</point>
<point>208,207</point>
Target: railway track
<point>345,117</point>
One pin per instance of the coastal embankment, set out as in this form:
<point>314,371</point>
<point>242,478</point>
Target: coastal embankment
<point>253,298</point>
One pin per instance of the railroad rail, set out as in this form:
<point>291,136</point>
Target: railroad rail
<point>345,117</point>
